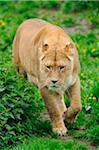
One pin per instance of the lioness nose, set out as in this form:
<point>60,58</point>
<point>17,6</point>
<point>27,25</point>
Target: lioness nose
<point>54,81</point>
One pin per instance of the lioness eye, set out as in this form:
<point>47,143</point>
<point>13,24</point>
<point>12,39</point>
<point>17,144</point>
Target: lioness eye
<point>62,68</point>
<point>48,67</point>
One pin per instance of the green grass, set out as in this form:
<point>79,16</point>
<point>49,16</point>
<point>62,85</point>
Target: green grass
<point>35,143</point>
<point>20,101</point>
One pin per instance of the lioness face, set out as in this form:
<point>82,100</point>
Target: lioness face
<point>56,67</point>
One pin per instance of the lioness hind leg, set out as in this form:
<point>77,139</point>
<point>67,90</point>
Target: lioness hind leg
<point>20,70</point>
<point>75,107</point>
<point>50,100</point>
<point>15,54</point>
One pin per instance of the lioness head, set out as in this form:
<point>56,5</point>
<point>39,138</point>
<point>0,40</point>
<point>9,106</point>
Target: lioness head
<point>56,63</point>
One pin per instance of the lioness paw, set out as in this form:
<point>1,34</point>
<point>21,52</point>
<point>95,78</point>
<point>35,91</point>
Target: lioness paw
<point>60,131</point>
<point>70,120</point>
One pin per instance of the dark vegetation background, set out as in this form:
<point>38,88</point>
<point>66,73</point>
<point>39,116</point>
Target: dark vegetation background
<point>21,105</point>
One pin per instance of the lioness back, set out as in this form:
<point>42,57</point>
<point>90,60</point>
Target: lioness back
<point>23,44</point>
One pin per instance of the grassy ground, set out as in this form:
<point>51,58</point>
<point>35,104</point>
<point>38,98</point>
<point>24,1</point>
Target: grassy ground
<point>35,143</point>
<point>21,104</point>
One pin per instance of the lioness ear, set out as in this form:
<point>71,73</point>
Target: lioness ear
<point>69,50</point>
<point>45,47</point>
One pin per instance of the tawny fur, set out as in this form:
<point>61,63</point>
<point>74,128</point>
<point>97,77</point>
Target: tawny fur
<point>48,56</point>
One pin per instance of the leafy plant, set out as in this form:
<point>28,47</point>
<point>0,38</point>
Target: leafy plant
<point>69,21</point>
<point>19,111</point>
<point>50,4</point>
<point>77,6</point>
<point>95,90</point>
<point>95,18</point>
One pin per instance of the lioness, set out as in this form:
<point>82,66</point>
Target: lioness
<point>48,56</point>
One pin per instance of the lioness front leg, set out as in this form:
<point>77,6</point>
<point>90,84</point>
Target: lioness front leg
<point>75,106</point>
<point>50,99</point>
<point>61,103</point>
